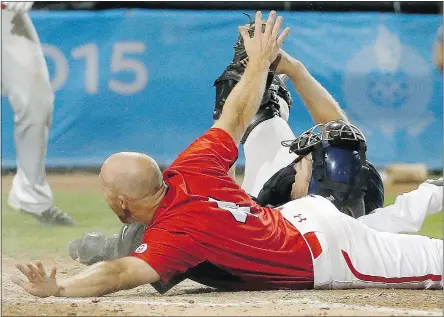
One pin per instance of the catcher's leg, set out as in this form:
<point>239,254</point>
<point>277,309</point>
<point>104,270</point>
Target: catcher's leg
<point>276,102</point>
<point>408,212</point>
<point>94,247</point>
<point>26,82</point>
<point>264,154</point>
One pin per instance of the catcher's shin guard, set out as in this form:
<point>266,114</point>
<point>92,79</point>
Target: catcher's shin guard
<point>93,247</point>
<point>270,106</point>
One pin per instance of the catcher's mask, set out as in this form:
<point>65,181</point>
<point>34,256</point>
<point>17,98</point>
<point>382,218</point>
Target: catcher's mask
<point>340,171</point>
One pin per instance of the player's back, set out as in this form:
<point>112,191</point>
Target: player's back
<point>207,221</point>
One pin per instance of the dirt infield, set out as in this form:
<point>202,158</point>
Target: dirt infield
<point>191,299</point>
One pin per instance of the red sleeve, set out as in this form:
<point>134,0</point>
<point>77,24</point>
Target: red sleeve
<point>214,149</point>
<point>167,253</point>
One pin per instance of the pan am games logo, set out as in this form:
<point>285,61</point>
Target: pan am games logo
<point>389,85</point>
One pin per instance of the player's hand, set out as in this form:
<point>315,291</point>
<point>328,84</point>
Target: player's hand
<point>18,6</point>
<point>263,48</point>
<point>38,284</point>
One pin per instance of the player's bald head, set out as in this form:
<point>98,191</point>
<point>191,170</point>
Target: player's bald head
<point>131,174</point>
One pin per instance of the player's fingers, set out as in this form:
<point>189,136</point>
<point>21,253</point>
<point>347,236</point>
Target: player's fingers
<point>17,280</point>
<point>243,31</point>
<point>53,272</point>
<point>270,23</point>
<point>283,36</point>
<point>276,28</point>
<point>41,269</point>
<point>25,270</point>
<point>33,268</point>
<point>35,272</point>
<point>258,24</point>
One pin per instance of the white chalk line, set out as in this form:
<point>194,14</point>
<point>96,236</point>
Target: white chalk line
<point>303,301</point>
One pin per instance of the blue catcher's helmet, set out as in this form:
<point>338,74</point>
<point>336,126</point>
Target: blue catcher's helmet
<point>340,170</point>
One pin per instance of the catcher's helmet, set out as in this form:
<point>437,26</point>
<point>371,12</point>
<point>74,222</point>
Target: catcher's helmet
<point>340,170</point>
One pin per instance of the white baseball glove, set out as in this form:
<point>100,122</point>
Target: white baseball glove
<point>18,7</point>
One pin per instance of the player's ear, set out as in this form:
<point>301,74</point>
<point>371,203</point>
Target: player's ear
<point>123,202</point>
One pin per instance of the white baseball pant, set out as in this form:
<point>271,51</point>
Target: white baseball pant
<point>25,81</point>
<point>353,255</point>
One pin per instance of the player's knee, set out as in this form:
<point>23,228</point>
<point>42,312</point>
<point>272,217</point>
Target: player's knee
<point>43,95</point>
<point>36,107</point>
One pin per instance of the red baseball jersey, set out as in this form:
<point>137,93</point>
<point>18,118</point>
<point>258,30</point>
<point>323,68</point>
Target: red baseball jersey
<point>206,217</point>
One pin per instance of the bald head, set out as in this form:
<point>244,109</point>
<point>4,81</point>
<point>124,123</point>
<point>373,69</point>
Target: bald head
<point>131,174</point>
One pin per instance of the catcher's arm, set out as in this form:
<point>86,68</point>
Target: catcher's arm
<point>244,100</point>
<point>320,104</point>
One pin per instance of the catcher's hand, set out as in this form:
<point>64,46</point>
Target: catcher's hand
<point>19,6</point>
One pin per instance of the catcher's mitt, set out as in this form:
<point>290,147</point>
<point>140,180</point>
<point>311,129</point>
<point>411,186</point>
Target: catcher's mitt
<point>240,54</point>
<point>232,75</point>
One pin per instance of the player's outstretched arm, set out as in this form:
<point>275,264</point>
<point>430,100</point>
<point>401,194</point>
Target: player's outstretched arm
<point>99,279</point>
<point>244,100</point>
<point>320,104</point>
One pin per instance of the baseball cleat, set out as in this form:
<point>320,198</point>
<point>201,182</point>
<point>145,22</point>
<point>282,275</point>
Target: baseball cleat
<point>55,216</point>
<point>436,182</point>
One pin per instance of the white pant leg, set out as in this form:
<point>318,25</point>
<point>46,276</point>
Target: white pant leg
<point>264,154</point>
<point>356,256</point>
<point>25,80</point>
<point>408,212</point>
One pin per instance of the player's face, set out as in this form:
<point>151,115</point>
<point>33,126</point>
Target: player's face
<point>302,178</point>
<point>118,206</point>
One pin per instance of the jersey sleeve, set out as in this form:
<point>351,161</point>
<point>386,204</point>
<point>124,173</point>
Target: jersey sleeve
<point>169,254</point>
<point>215,149</point>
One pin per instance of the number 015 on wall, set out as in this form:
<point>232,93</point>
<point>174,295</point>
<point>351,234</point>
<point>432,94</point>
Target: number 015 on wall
<point>125,58</point>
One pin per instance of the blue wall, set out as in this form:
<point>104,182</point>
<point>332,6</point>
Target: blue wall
<point>142,80</point>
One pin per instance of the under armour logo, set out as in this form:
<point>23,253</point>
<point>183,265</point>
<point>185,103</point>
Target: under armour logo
<point>300,217</point>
